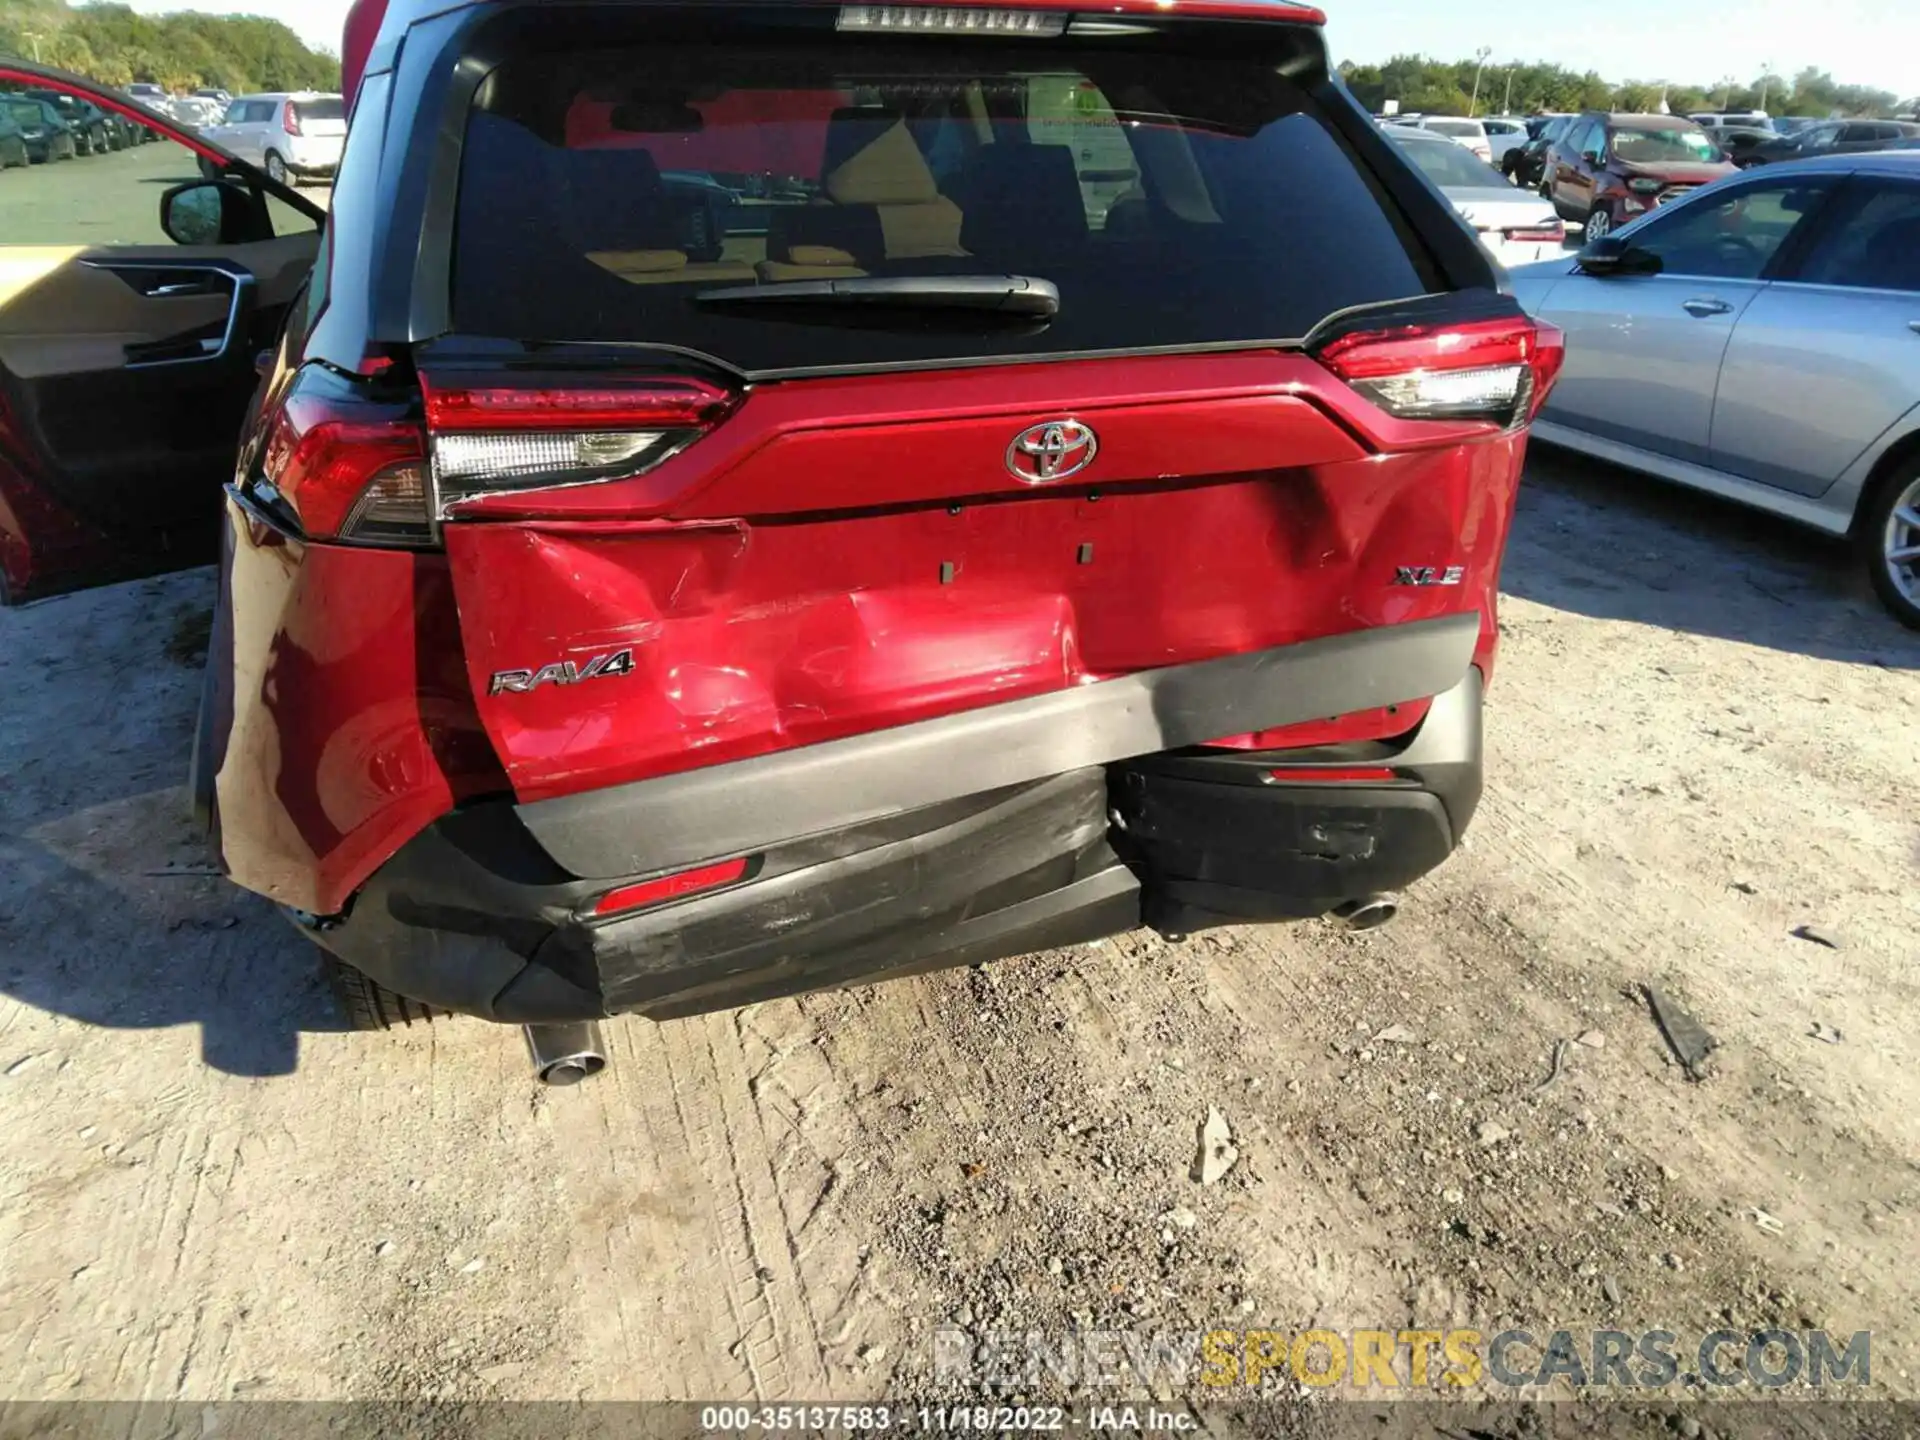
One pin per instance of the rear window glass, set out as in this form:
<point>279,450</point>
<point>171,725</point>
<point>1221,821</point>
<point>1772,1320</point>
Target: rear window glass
<point>1174,199</point>
<point>326,108</point>
<point>1458,129</point>
<point>1448,164</point>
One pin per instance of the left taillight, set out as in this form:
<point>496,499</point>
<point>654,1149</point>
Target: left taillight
<point>1493,370</point>
<point>348,468</point>
<point>485,439</point>
<point>290,119</point>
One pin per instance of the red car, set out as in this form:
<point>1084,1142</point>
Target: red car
<point>1073,499</point>
<point>1607,170</point>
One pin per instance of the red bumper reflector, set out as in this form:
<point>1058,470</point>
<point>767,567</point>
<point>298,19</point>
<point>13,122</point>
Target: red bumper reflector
<point>671,887</point>
<point>1329,775</point>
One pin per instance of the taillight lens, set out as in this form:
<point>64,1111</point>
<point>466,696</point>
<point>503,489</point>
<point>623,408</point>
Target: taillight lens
<point>1497,370</point>
<point>491,439</point>
<point>348,469</point>
<point>1553,233</point>
<point>289,119</point>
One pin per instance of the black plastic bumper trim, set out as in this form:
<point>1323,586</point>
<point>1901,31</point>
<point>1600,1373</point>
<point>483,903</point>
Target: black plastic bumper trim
<point>745,806</point>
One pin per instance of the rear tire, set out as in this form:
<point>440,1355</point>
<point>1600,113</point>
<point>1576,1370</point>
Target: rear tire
<point>276,168</point>
<point>1878,533</point>
<point>1599,224</point>
<point>368,1004</point>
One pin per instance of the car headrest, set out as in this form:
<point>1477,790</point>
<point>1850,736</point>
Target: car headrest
<point>612,199</point>
<point>1893,254</point>
<point>853,230</point>
<point>883,164</point>
<point>1023,194</point>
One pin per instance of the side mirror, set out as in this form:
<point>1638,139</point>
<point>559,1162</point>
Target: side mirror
<point>212,212</point>
<point>1610,255</point>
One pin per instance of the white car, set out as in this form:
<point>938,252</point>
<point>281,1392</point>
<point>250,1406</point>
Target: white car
<point>199,113</point>
<point>1503,134</point>
<point>1470,134</point>
<point>293,137</point>
<point>1516,226</point>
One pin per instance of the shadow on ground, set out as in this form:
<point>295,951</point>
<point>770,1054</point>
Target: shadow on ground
<point>106,914</point>
<point>1593,539</point>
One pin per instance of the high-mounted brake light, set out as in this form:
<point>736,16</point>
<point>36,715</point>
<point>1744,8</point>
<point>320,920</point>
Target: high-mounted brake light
<point>487,439</point>
<point>670,887</point>
<point>940,20</point>
<point>1496,370</point>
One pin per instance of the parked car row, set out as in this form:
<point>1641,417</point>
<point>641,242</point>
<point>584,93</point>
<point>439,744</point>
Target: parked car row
<point>1745,317</point>
<point>42,125</point>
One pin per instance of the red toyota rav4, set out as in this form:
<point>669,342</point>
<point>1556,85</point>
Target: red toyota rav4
<point>1068,493</point>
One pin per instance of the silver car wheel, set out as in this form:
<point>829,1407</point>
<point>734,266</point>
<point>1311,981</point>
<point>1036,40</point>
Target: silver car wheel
<point>1902,543</point>
<point>1598,224</point>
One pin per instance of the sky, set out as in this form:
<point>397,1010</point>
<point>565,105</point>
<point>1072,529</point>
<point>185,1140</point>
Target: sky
<point>1862,42</point>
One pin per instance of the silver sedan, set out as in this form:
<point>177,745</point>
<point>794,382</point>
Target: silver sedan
<point>1760,340</point>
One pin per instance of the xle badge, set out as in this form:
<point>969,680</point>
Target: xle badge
<point>1428,575</point>
<point>562,672</point>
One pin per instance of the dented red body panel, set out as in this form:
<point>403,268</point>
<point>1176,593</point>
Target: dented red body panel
<point>352,725</point>
<point>909,575</point>
<point>778,615</point>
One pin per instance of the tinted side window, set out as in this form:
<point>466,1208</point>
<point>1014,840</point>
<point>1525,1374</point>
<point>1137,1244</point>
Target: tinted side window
<point>1732,236</point>
<point>1874,245</point>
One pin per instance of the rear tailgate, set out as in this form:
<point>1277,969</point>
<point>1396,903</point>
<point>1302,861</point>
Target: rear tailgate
<point>683,533</point>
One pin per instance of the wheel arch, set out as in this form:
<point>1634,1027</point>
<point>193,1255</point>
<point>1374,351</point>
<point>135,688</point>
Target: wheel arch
<point>1897,457</point>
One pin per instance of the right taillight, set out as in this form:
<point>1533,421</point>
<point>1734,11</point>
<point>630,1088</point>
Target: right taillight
<point>1497,370</point>
<point>488,438</point>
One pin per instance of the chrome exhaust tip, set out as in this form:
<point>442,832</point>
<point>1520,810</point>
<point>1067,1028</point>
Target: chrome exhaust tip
<point>566,1054</point>
<point>1369,912</point>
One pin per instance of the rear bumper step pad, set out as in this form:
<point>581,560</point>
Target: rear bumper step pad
<point>747,805</point>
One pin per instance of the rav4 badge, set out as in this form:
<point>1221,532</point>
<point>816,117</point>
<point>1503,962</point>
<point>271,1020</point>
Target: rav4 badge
<point>562,672</point>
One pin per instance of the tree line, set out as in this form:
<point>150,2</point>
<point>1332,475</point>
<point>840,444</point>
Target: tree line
<point>182,51</point>
<point>1443,87</point>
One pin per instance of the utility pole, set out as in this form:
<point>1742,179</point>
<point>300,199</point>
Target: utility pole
<point>1726,91</point>
<point>1507,107</point>
<point>29,35</point>
<point>1473,106</point>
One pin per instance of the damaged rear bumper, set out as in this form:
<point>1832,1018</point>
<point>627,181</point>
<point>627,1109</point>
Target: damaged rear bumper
<point>994,833</point>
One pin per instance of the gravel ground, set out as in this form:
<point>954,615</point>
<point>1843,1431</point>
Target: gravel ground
<point>1703,739</point>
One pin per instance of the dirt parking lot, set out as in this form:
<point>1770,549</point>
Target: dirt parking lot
<point>1703,739</point>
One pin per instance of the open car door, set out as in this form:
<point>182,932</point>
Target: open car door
<point>134,295</point>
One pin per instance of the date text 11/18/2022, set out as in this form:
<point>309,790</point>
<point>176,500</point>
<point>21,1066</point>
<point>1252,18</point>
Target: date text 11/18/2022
<point>944,1419</point>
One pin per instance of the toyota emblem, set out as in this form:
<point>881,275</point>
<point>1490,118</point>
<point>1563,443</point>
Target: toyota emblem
<point>1053,450</point>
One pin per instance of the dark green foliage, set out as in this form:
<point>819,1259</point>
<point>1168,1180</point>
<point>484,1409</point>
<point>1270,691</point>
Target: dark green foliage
<point>1445,87</point>
<point>182,51</point>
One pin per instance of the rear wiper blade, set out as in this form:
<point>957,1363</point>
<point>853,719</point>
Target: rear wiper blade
<point>1022,295</point>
